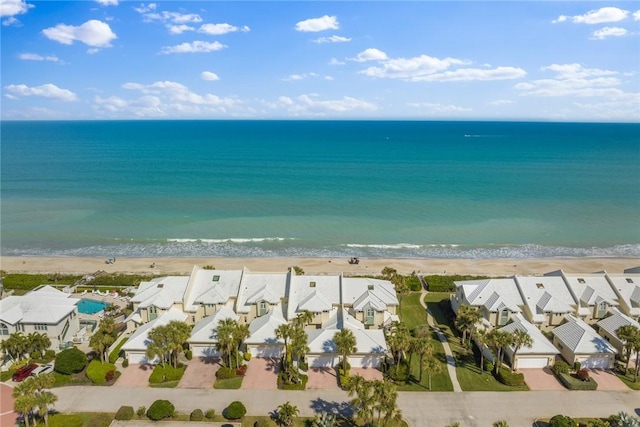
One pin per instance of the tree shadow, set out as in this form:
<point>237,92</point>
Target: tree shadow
<point>342,409</point>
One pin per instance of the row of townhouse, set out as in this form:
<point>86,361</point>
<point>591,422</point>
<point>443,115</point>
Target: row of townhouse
<point>45,310</point>
<point>581,311</point>
<point>264,301</point>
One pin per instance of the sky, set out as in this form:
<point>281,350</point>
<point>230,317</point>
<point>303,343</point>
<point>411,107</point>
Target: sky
<point>418,60</point>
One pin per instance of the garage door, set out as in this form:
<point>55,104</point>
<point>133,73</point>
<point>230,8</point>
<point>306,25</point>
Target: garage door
<point>532,362</point>
<point>137,358</point>
<point>266,351</point>
<point>204,351</point>
<point>365,362</point>
<point>595,362</point>
<point>321,361</point>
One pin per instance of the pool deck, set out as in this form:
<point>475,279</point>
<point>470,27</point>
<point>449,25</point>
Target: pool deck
<point>84,345</point>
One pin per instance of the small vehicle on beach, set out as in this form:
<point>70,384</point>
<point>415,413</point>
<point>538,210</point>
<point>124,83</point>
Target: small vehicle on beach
<point>354,260</point>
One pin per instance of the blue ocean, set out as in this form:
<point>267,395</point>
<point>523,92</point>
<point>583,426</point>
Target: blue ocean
<point>320,188</point>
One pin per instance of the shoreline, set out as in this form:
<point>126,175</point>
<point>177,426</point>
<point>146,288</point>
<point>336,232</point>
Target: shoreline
<point>317,265</point>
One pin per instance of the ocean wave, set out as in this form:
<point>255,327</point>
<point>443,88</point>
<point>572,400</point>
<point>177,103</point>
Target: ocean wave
<point>232,240</point>
<point>280,247</point>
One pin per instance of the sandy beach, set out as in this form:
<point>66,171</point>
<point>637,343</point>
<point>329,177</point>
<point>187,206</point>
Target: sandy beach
<point>181,266</point>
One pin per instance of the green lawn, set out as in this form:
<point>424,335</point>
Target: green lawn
<point>628,380</point>
<point>80,419</point>
<point>228,384</point>
<point>467,371</point>
<point>412,313</point>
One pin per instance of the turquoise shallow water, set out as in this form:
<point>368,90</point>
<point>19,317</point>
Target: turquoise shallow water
<point>320,188</point>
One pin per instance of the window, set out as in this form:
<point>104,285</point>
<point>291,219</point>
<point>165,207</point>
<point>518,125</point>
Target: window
<point>153,312</point>
<point>40,327</point>
<point>370,316</point>
<point>215,278</point>
<point>160,285</point>
<point>4,329</point>
<point>602,309</point>
<point>539,286</point>
<point>504,317</point>
<point>262,308</point>
<point>629,280</point>
<point>312,284</point>
<point>193,319</point>
<point>581,280</point>
<point>370,287</point>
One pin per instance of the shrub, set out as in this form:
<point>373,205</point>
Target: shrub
<point>234,411</point>
<point>49,355</point>
<point>437,283</point>
<point>113,356</point>
<point>399,372</point>
<point>109,375</point>
<point>125,413</point>
<point>488,366</point>
<point>513,379</point>
<point>196,415</point>
<point>70,361</point>
<point>582,374</point>
<point>210,414</point>
<point>141,411</point>
<point>188,354</point>
<point>343,379</point>
<point>562,421</point>
<point>125,363</point>
<point>575,384</point>
<point>560,367</point>
<point>225,373</point>
<point>160,409</point>
<point>576,366</point>
<point>413,283</point>
<point>168,373</point>
<point>241,370</point>
<point>247,356</point>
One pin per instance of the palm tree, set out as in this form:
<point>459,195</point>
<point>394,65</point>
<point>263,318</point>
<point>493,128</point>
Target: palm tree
<point>398,338</point>
<point>389,272</point>
<point>520,339</point>
<point>224,333</point>
<point>38,343</point>
<point>43,381</point>
<point>627,335</point>
<point>240,333</point>
<point>178,333</point>
<point>299,342</point>
<point>385,396</point>
<point>499,340</point>
<point>432,366</point>
<point>324,419</point>
<point>24,403</point>
<point>400,283</point>
<point>15,346</point>
<point>481,339</point>
<point>284,333</point>
<point>423,347</point>
<point>466,319</point>
<point>100,342</point>
<point>304,318</point>
<point>635,346</point>
<point>286,413</point>
<point>364,400</point>
<point>42,400</point>
<point>345,343</point>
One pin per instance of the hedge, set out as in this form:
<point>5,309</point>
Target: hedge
<point>125,413</point>
<point>560,367</point>
<point>97,372</point>
<point>413,283</point>
<point>160,409</point>
<point>196,415</point>
<point>343,378</point>
<point>70,361</point>
<point>234,411</point>
<point>575,384</point>
<point>225,373</point>
<point>506,377</point>
<point>168,373</point>
<point>437,283</point>
<point>113,356</point>
<point>562,421</point>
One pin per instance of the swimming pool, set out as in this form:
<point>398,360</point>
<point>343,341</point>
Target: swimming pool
<point>89,306</point>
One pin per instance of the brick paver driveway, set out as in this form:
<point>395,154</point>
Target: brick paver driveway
<point>134,375</point>
<point>322,379</point>
<point>7,416</point>
<point>262,374</point>
<point>607,380</point>
<point>200,373</point>
<point>367,373</point>
<point>541,379</point>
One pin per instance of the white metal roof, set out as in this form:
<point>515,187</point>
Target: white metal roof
<point>313,293</point>
<point>161,292</point>
<point>540,344</point>
<point>545,294</point>
<point>368,341</point>
<point>581,338</point>
<point>45,305</point>
<point>362,293</point>
<point>256,287</point>
<point>493,294</point>
<point>211,287</point>
<point>627,286</point>
<point>263,328</point>
<point>140,338</point>
<point>591,289</point>
<point>615,321</point>
<point>206,329</point>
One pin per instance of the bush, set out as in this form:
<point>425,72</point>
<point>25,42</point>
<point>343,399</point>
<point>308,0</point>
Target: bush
<point>125,413</point>
<point>562,421</point>
<point>576,366</point>
<point>141,411</point>
<point>513,379</point>
<point>413,283</point>
<point>109,375</point>
<point>210,414</point>
<point>225,373</point>
<point>113,356</point>
<point>437,283</point>
<point>234,411</point>
<point>97,372</point>
<point>488,366</point>
<point>196,415</point>
<point>343,379</point>
<point>241,370</point>
<point>575,384</point>
<point>582,374</point>
<point>70,361</point>
<point>125,363</point>
<point>247,356</point>
<point>400,372</point>
<point>188,354</point>
<point>49,355</point>
<point>160,409</point>
<point>560,367</point>
<point>168,373</point>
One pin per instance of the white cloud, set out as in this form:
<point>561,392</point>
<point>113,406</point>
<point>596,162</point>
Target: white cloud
<point>636,15</point>
<point>194,47</point>
<point>303,76</point>
<point>14,7</point>
<point>179,92</point>
<point>92,33</point>
<point>210,76</point>
<point>145,8</point>
<point>498,102</point>
<point>334,61</point>
<point>36,57</point>
<point>179,29</point>
<point>108,2</point>
<point>599,16</point>
<point>575,71</point>
<point>469,74</point>
<point>47,90</point>
<point>170,17</point>
<point>309,105</point>
<point>371,54</point>
<point>332,39</point>
<point>609,32</point>
<point>439,108</point>
<point>325,22</point>
<point>218,29</point>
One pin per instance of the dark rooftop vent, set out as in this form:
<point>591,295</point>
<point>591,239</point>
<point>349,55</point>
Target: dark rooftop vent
<point>216,278</point>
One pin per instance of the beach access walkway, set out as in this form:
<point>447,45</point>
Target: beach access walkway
<point>451,361</point>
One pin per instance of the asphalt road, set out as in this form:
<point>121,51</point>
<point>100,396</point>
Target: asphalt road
<point>471,409</point>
